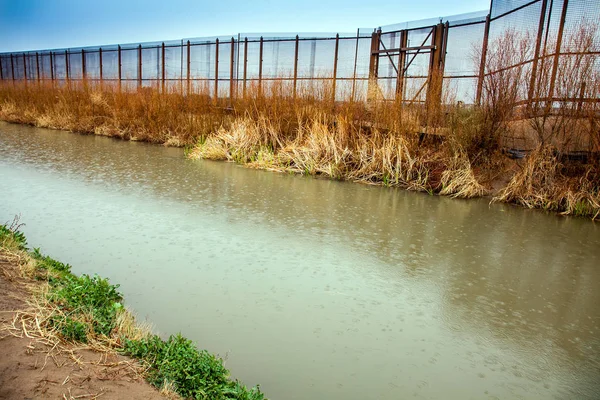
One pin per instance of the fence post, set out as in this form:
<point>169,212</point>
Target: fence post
<point>216,95</point>
<point>189,64</point>
<point>536,54</point>
<point>100,62</point>
<point>67,65</point>
<point>433,97</point>
<point>401,63</point>
<point>1,71</point>
<point>52,67</point>
<point>373,64</point>
<point>296,65</point>
<point>231,69</point>
<point>119,62</point>
<point>335,63</point>
<point>355,62</point>
<point>245,65</point>
<point>139,66</point>
<point>163,72</point>
<point>559,37</point>
<point>37,65</point>
<point>12,66</point>
<point>260,65</point>
<point>83,68</point>
<point>484,47</point>
<point>25,67</point>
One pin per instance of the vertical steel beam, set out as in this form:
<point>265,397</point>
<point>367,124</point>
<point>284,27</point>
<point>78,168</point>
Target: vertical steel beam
<point>37,65</point>
<point>1,71</point>
<point>335,64</point>
<point>52,60</point>
<point>100,62</point>
<point>559,37</point>
<point>163,71</point>
<point>25,67</point>
<point>296,65</point>
<point>536,53</point>
<point>83,69</point>
<point>119,59</point>
<point>245,65</point>
<point>67,65</point>
<point>401,66</point>
<point>231,64</point>
<point>189,65</point>
<point>12,66</point>
<point>216,95</point>
<point>374,63</point>
<point>139,69</point>
<point>260,66</point>
<point>433,97</point>
<point>484,48</point>
<point>355,62</point>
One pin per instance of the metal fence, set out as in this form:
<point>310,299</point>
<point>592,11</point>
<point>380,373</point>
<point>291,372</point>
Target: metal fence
<point>402,61</point>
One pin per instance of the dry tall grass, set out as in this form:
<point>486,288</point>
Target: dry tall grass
<point>377,142</point>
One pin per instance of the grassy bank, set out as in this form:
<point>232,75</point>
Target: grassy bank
<point>381,142</point>
<point>89,311</point>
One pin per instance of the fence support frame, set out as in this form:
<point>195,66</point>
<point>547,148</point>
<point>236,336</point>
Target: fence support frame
<point>216,93</point>
<point>119,62</point>
<point>536,53</point>
<point>559,38</point>
<point>139,72</point>
<point>401,67</point>
<point>335,64</point>
<point>162,69</point>
<point>245,73</point>
<point>260,66</point>
<point>296,46</point>
<point>484,48</point>
<point>231,65</point>
<point>189,65</point>
<point>374,65</point>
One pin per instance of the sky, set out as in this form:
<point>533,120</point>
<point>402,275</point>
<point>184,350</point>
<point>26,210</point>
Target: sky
<point>52,24</point>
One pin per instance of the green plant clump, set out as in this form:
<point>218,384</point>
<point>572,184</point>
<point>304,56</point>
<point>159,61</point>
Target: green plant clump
<point>193,373</point>
<point>88,307</point>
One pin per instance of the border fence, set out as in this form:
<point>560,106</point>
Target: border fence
<point>418,62</point>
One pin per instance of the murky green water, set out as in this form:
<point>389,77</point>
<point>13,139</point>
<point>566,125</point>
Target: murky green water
<point>318,289</point>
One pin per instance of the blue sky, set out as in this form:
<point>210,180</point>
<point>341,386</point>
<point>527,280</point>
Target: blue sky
<point>44,24</point>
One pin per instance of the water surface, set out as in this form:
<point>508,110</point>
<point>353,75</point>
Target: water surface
<point>319,289</point>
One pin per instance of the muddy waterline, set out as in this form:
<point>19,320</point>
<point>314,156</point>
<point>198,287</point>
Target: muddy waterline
<point>318,289</point>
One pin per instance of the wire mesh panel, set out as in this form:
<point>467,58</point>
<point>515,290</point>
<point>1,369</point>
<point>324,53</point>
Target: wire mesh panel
<point>92,64</point>
<point>110,64</point>
<point>75,65</point>
<point>60,66</point>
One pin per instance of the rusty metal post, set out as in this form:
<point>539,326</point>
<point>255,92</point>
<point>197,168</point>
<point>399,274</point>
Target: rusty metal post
<point>100,62</point>
<point>119,62</point>
<point>373,64</point>
<point>296,65</point>
<point>433,97</point>
<point>355,62</point>
<point>163,71</point>
<point>536,54</point>
<point>67,65</point>
<point>24,68</point>
<point>245,66</point>
<point>189,64</point>
<point>231,93</point>
<point>37,65</point>
<point>335,64</point>
<point>83,69</point>
<point>559,37</point>
<point>12,66</point>
<point>52,67</point>
<point>139,72</point>
<point>260,65</point>
<point>484,47</point>
<point>401,66</point>
<point>216,95</point>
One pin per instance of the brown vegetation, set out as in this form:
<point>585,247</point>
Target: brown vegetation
<point>378,142</point>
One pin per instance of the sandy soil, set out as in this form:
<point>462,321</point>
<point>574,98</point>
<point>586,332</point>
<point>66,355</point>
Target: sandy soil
<point>30,369</point>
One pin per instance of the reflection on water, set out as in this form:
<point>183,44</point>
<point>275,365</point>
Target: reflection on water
<point>316,288</point>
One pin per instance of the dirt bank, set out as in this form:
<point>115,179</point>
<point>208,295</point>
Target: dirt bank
<point>32,367</point>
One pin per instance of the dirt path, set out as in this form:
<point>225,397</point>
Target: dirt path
<point>33,369</point>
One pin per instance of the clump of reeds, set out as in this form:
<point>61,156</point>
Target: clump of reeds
<point>541,183</point>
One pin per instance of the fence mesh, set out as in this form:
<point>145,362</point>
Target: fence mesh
<point>393,62</point>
